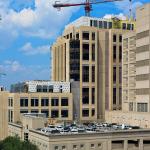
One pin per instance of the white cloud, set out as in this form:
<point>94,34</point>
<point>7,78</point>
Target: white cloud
<point>120,16</point>
<point>28,49</point>
<point>126,5</point>
<point>43,21</point>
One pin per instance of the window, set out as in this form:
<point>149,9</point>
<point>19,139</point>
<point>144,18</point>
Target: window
<point>74,147</point>
<point>54,114</point>
<point>63,147</point>
<point>99,144</point>
<point>124,26</point>
<point>46,112</point>
<point>91,23</point>
<point>114,52</point>
<point>81,146</point>
<point>26,135</point>
<point>110,25</point>
<point>85,52</point>
<point>39,88</point>
<point>131,106</point>
<point>93,112</point>
<point>114,95</point>
<point>10,116</point>
<point>85,35</point>
<point>85,95</point>
<point>45,87</point>
<point>114,38</point>
<point>114,74</point>
<point>64,102</point>
<point>56,148</point>
<point>54,102</point>
<point>44,102</point>
<point>120,38</point>
<point>77,36</point>
<point>95,23</point>
<point>34,102</point>
<point>100,24</point>
<point>120,53</point>
<point>85,113</point>
<point>10,101</point>
<point>50,88</point>
<point>93,73</point>
<point>128,26</point>
<point>142,107</point>
<point>23,111</point>
<point>93,35</point>
<point>120,75</point>
<point>23,102</point>
<point>93,95</point>
<point>105,24</point>
<point>92,145</point>
<point>85,73</point>
<point>93,52</point>
<point>34,111</point>
<point>64,113</point>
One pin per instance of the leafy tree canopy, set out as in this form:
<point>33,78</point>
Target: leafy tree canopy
<point>14,143</point>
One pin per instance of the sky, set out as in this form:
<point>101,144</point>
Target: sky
<point>29,27</point>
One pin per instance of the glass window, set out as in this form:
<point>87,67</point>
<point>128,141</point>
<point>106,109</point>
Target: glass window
<point>100,24</point>
<point>85,113</point>
<point>93,95</point>
<point>45,111</point>
<point>114,95</point>
<point>23,102</point>
<point>110,25</point>
<point>95,23</point>
<point>44,102</point>
<point>85,73</point>
<point>105,24</point>
<point>114,74</point>
<point>93,52</point>
<point>93,112</point>
<point>34,102</point>
<point>114,53</point>
<point>114,38</point>
<point>93,73</point>
<point>93,35</point>
<point>85,52</point>
<point>64,102</point>
<point>85,95</point>
<point>85,35</point>
<point>54,102</point>
<point>124,26</point>
<point>54,114</point>
<point>64,113</point>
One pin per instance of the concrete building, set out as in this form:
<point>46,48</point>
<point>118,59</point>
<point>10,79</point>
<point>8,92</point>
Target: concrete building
<point>3,113</point>
<point>138,139</point>
<point>136,93</point>
<point>91,55</point>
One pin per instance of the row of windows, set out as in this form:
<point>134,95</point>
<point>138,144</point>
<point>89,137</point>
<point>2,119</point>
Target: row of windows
<point>75,147</point>
<point>54,113</point>
<point>141,107</point>
<point>44,102</point>
<point>86,35</point>
<point>101,24</point>
<point>115,38</point>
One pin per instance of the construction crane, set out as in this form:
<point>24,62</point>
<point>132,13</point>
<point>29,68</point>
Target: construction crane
<point>87,4</point>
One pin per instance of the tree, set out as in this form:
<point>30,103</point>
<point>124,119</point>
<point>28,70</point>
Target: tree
<point>14,143</point>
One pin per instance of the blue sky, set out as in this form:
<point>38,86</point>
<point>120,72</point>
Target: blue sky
<point>29,27</point>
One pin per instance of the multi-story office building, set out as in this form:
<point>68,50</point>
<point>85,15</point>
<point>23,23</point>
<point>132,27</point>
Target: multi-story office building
<point>52,98</point>
<point>136,70</point>
<point>91,55</point>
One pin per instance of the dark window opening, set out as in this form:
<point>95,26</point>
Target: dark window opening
<point>93,112</point>
<point>120,53</point>
<point>85,95</point>
<point>114,74</point>
<point>46,112</point>
<point>54,114</point>
<point>93,35</point>
<point>93,52</point>
<point>114,38</point>
<point>64,113</point>
<point>93,73</point>
<point>44,102</point>
<point>64,102</point>
<point>85,35</point>
<point>105,24</point>
<point>114,95</point>
<point>93,95</point>
<point>114,53</point>
<point>85,52</point>
<point>34,102</point>
<point>85,73</point>
<point>23,102</point>
<point>85,113</point>
<point>54,102</point>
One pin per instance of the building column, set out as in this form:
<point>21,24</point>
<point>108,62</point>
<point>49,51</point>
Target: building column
<point>109,145</point>
<point>141,144</point>
<point>125,145</point>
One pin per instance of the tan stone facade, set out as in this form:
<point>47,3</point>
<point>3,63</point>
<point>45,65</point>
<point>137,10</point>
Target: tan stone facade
<point>110,140</point>
<point>54,105</point>
<point>92,57</point>
<point>3,114</point>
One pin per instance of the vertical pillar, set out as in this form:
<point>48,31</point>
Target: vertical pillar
<point>109,145</point>
<point>141,144</point>
<point>125,145</point>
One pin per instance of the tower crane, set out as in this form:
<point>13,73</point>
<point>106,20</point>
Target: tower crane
<point>87,4</point>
